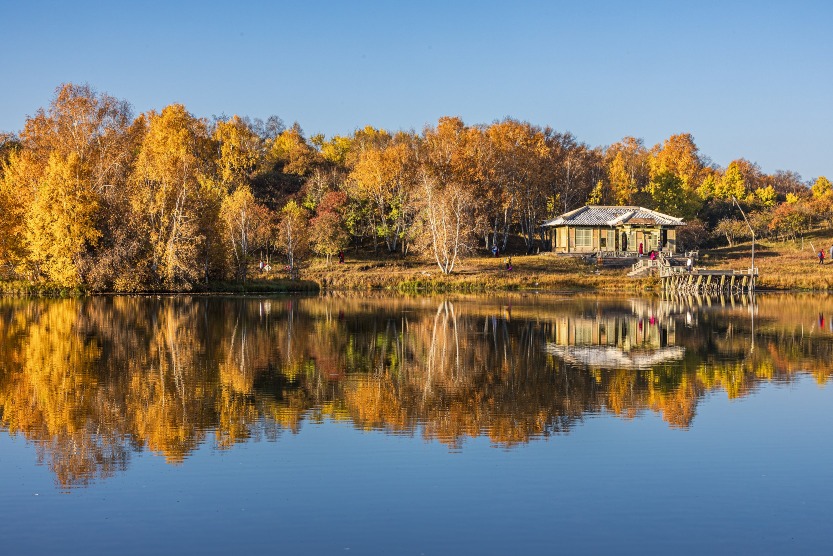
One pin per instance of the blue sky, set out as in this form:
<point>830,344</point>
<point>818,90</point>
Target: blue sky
<point>752,80</point>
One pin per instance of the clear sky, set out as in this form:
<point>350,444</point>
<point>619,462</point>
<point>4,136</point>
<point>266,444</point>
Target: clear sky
<point>747,79</point>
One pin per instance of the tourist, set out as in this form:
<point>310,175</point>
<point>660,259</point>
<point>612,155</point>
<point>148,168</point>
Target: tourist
<point>688,264</point>
<point>821,256</point>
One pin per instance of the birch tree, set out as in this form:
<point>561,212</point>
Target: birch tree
<point>247,226</point>
<point>168,194</point>
<point>447,230</point>
<point>293,236</point>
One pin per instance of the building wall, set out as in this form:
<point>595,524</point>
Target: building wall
<point>651,238</point>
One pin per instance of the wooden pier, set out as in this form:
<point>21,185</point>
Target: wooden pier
<point>677,279</point>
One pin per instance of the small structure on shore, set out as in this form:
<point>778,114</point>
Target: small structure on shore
<point>609,231</point>
<point>679,276</point>
<point>703,281</point>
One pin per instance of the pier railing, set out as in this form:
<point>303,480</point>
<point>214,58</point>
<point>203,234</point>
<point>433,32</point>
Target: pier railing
<point>707,281</point>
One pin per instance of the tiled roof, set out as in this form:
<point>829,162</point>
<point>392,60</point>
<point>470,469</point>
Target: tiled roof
<point>613,216</point>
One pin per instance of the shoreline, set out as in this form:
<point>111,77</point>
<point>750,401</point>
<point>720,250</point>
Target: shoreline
<point>784,267</point>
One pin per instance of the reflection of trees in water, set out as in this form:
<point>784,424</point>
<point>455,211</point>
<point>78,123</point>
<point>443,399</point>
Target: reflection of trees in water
<point>91,381</point>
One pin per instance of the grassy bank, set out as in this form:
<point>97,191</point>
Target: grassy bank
<point>791,265</point>
<point>782,266</point>
<point>277,285</point>
<point>544,272</point>
<point>29,289</point>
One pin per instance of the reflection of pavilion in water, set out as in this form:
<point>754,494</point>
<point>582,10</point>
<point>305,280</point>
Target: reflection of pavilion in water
<point>641,338</point>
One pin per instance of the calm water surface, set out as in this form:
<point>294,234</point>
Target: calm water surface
<point>428,425</point>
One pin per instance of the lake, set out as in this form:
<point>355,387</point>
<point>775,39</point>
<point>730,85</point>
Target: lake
<point>374,424</point>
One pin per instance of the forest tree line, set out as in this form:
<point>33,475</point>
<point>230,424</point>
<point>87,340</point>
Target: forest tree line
<point>93,196</point>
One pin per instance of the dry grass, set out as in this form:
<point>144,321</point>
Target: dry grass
<point>28,289</point>
<point>544,272</point>
<point>781,265</point>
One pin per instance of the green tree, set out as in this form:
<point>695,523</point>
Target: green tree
<point>669,195</point>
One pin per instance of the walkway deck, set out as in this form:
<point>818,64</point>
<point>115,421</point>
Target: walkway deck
<point>677,278</point>
<point>707,281</point>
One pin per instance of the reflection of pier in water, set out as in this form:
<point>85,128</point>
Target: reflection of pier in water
<point>679,303</point>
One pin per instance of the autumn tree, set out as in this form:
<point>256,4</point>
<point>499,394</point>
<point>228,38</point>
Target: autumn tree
<point>577,170</point>
<point>822,188</point>
<point>679,156</point>
<point>731,184</point>
<point>17,187</point>
<point>627,169</point>
<point>73,155</point>
<point>788,221</point>
<point>447,229</point>
<point>520,172</point>
<point>384,179</point>
<point>731,229</point>
<point>292,151</point>
<point>9,143</point>
<point>668,194</point>
<point>240,152</point>
<point>61,221</point>
<point>248,226</point>
<point>766,196</point>
<point>170,194</point>
<point>676,171</point>
<point>293,238</point>
<point>328,229</point>
<point>784,181</point>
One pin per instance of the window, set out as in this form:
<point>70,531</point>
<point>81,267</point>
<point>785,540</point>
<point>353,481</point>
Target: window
<point>584,237</point>
<point>607,239</point>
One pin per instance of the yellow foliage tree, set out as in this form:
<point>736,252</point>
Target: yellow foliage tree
<point>627,169</point>
<point>822,187</point>
<point>247,226</point>
<point>731,184</point>
<point>173,160</point>
<point>61,221</point>
<point>240,151</point>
